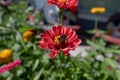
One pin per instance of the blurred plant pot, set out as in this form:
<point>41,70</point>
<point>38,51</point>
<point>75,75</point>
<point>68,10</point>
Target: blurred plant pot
<point>107,38</point>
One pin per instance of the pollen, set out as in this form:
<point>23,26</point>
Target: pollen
<point>57,40</point>
<point>62,1</point>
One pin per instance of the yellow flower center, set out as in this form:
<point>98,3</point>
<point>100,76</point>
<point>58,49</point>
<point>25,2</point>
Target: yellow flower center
<point>62,1</point>
<point>57,40</point>
<point>60,39</point>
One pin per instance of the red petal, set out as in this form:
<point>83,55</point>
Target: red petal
<point>76,42</point>
<point>69,4</point>
<point>42,44</point>
<point>68,31</point>
<point>50,34</point>
<point>64,30</point>
<point>42,35</point>
<point>46,38</point>
<point>72,4</point>
<point>73,45</point>
<point>54,29</point>
<point>50,46</point>
<point>66,53</point>
<point>53,54</point>
<point>73,36</point>
<point>59,30</point>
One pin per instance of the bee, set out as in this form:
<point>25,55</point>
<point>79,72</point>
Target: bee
<point>63,38</point>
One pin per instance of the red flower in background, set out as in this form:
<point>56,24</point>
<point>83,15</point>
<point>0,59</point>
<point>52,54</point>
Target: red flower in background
<point>31,18</point>
<point>58,39</point>
<point>10,66</point>
<point>65,4</point>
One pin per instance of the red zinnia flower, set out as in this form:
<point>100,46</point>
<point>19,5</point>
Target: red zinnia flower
<point>65,4</point>
<point>58,39</point>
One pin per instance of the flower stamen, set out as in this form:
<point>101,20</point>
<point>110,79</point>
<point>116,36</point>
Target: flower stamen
<point>60,39</point>
<point>57,41</point>
<point>62,1</point>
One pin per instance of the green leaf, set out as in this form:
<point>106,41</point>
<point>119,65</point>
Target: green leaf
<point>38,74</point>
<point>110,62</point>
<point>94,31</point>
<point>93,44</point>
<point>117,73</point>
<point>36,64</point>
<point>91,31</point>
<point>19,38</point>
<point>91,53</point>
<point>16,47</point>
<point>81,64</point>
<point>23,29</point>
<point>109,50</point>
<point>29,9</point>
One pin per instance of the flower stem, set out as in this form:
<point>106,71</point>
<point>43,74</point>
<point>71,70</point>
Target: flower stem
<point>62,16</point>
<point>96,23</point>
<point>61,57</point>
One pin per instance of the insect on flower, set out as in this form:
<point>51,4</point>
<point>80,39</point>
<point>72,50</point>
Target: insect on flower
<point>63,38</point>
<point>59,39</point>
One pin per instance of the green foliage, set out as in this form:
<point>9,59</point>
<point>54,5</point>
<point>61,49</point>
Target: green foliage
<point>36,64</point>
<point>106,68</point>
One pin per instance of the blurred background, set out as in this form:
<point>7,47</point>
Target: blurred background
<point>83,17</point>
<point>22,22</point>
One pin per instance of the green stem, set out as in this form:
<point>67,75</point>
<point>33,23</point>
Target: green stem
<point>62,16</point>
<point>96,23</point>
<point>60,58</point>
<point>62,63</point>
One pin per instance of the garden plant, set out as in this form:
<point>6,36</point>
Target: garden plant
<point>28,53</point>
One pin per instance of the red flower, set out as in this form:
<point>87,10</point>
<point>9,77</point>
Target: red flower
<point>58,39</point>
<point>65,4</point>
<point>10,66</point>
<point>31,18</point>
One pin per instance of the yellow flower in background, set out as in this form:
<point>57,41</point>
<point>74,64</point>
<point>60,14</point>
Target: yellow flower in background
<point>98,10</point>
<point>27,35</point>
<point>6,55</point>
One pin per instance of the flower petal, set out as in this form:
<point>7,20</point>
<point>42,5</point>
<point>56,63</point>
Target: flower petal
<point>53,54</point>
<point>70,43</point>
<point>42,44</point>
<point>65,52</point>
<point>68,4</point>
